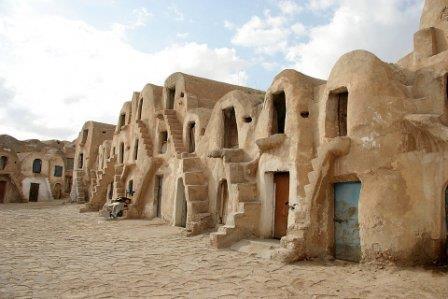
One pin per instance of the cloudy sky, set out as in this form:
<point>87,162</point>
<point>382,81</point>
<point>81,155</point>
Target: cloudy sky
<point>63,62</point>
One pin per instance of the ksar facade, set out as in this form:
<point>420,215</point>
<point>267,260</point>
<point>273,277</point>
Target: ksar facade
<point>353,168</point>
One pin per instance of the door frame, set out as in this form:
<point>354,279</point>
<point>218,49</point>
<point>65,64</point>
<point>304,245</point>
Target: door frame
<point>270,197</point>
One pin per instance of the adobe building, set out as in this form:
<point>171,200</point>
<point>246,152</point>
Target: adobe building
<point>89,139</point>
<point>352,168</point>
<point>34,170</point>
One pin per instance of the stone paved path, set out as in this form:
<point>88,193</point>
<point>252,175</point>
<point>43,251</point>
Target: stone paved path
<point>49,250</point>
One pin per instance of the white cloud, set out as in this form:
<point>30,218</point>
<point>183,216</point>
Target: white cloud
<point>289,7</point>
<point>317,5</point>
<point>178,15</point>
<point>299,29</point>
<point>182,35</point>
<point>59,72</point>
<point>268,35</point>
<point>229,25</point>
<point>386,31</point>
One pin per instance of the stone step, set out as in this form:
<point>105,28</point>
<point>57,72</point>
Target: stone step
<point>198,207</point>
<point>315,163</point>
<point>196,192</point>
<point>191,164</point>
<point>194,178</point>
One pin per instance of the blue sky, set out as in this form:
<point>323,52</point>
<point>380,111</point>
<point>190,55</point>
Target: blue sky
<point>65,62</point>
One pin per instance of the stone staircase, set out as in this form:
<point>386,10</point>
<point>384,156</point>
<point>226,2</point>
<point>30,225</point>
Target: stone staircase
<point>145,137</point>
<point>294,244</point>
<point>78,188</point>
<point>242,223</point>
<point>175,130</point>
<point>102,181</point>
<point>196,194</point>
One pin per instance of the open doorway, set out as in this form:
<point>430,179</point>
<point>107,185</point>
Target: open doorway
<point>34,192</point>
<point>181,204</point>
<point>346,225</point>
<point>158,180</point>
<point>223,202</point>
<point>336,123</point>
<point>190,137</point>
<point>230,128</point>
<point>278,113</point>
<point>281,204</point>
<point>2,191</point>
<point>57,191</point>
<point>170,95</point>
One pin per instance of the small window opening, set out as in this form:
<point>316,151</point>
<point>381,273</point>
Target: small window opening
<point>104,132</point>
<point>3,162</point>
<point>230,128</point>
<point>136,149</point>
<point>111,190</point>
<point>305,114</point>
<point>140,107</point>
<point>81,161</point>
<point>191,137</point>
<point>163,140</point>
<point>131,188</point>
<point>85,134</point>
<point>247,119</point>
<point>122,121</point>
<point>279,113</point>
<point>37,166</point>
<point>171,93</point>
<point>121,153</point>
<point>336,119</point>
<point>58,171</point>
<point>182,94</point>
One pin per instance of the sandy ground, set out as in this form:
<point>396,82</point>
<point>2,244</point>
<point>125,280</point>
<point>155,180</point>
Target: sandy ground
<point>49,250</point>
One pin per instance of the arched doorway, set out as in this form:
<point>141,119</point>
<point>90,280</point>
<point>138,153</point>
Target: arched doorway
<point>223,202</point>
<point>190,137</point>
<point>57,191</point>
<point>181,205</point>
<point>230,128</point>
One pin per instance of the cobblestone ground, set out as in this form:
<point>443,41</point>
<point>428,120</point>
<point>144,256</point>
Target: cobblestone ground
<point>49,250</point>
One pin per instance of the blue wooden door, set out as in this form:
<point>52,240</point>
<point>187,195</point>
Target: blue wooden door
<point>346,225</point>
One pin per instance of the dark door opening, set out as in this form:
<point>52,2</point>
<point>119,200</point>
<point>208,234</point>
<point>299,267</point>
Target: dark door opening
<point>346,225</point>
<point>158,195</point>
<point>230,128</point>
<point>171,93</point>
<point>279,113</point>
<point>139,111</point>
<point>2,191</point>
<point>181,209</point>
<point>342,113</point>
<point>191,139</point>
<point>223,204</point>
<point>34,192</point>
<point>281,185</point>
<point>57,192</point>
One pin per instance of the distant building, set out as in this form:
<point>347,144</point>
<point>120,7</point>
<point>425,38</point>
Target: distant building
<point>34,170</point>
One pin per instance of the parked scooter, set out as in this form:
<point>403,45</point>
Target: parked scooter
<point>117,206</point>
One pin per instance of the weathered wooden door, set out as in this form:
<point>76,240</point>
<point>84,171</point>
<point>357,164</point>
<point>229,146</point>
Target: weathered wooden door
<point>57,193</point>
<point>2,191</point>
<point>346,225</point>
<point>281,183</point>
<point>34,192</point>
<point>223,202</point>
